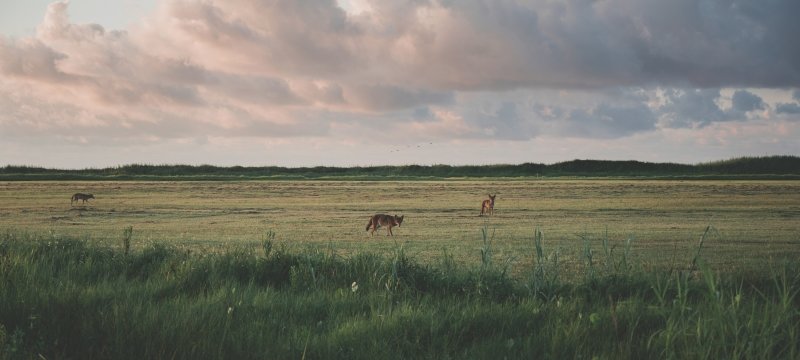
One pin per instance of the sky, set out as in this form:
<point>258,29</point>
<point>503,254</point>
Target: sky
<point>98,83</point>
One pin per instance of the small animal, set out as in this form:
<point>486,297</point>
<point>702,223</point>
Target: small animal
<point>80,196</point>
<point>487,207</point>
<point>388,221</point>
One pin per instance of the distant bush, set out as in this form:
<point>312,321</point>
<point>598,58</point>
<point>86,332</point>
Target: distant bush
<point>754,165</point>
<point>770,165</point>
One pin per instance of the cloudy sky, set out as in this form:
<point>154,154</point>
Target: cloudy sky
<point>95,83</point>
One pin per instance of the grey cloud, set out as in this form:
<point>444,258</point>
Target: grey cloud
<point>176,93</point>
<point>332,94</point>
<point>507,123</point>
<point>788,108</point>
<point>548,112</point>
<point>608,122</point>
<point>689,108</point>
<point>744,101</point>
<point>504,44</point>
<point>525,115</point>
<point>478,45</point>
<point>594,44</point>
<point>422,113</point>
<point>409,61</point>
<point>498,119</point>
<point>580,44</point>
<point>716,43</point>
<point>389,98</point>
<point>699,108</point>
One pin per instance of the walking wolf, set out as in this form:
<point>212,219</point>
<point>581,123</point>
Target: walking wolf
<point>388,221</point>
<point>79,196</point>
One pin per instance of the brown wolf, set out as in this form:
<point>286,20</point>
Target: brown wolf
<point>487,206</point>
<point>79,196</point>
<point>388,221</point>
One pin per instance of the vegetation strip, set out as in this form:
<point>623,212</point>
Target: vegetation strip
<point>66,298</point>
<point>782,167</point>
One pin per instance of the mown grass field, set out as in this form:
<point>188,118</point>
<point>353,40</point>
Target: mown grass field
<point>284,269</point>
<point>756,221</point>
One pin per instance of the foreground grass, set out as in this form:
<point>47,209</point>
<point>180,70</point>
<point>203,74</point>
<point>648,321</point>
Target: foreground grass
<point>66,298</point>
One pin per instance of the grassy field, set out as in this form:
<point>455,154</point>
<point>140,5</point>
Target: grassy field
<point>65,298</point>
<point>284,269</point>
<point>755,221</point>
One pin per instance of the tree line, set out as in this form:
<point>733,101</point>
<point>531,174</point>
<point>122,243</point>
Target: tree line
<point>742,166</point>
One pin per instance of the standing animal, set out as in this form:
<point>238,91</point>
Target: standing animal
<point>388,221</point>
<point>487,206</point>
<point>80,196</point>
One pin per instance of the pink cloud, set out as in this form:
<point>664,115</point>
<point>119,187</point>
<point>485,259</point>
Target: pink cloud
<point>30,59</point>
<point>287,68</point>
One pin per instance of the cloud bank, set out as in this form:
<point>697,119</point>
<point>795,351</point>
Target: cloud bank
<point>416,70</point>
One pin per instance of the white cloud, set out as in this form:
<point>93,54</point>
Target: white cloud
<point>453,71</point>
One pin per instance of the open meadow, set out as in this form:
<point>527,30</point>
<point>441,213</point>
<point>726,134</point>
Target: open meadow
<point>755,221</point>
<point>609,269</point>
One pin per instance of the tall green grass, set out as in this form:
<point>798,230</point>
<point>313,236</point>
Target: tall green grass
<point>67,298</point>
